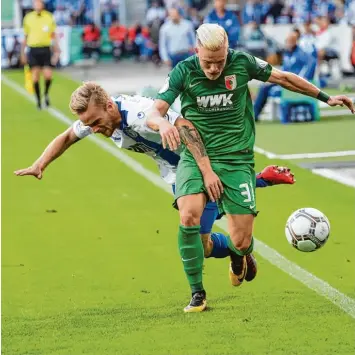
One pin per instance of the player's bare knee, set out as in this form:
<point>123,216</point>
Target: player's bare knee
<point>241,239</point>
<point>189,218</point>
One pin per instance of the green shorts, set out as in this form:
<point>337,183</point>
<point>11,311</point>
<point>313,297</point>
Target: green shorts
<point>238,182</point>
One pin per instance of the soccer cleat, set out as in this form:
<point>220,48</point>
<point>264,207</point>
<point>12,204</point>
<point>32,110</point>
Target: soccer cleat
<point>251,267</point>
<point>237,269</point>
<point>276,175</point>
<point>198,303</point>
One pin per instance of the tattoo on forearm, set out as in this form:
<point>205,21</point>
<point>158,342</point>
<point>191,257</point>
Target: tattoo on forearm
<point>192,139</point>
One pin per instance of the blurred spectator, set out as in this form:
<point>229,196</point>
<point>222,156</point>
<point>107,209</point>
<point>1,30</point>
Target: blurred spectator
<point>226,19</point>
<point>176,39</point>
<point>325,42</point>
<point>14,54</point>
<point>273,12</point>
<point>349,13</point>
<point>295,60</point>
<point>49,5</point>
<point>253,11</point>
<point>108,15</point>
<point>91,41</point>
<point>62,15</point>
<point>254,40</point>
<point>25,6</point>
<point>352,55</point>
<point>154,36</point>
<point>144,47</point>
<point>307,40</point>
<point>324,8</point>
<point>300,10</point>
<point>156,11</point>
<point>117,34</point>
<point>195,18</point>
<point>198,4</point>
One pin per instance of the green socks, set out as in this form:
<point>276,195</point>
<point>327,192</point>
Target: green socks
<point>191,251</point>
<point>240,252</point>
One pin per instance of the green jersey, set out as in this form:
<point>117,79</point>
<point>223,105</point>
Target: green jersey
<point>222,109</point>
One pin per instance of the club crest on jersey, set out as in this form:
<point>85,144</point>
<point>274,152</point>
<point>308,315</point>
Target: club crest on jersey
<point>140,115</point>
<point>230,81</point>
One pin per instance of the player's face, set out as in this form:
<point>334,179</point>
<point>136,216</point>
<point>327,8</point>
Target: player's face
<point>102,120</point>
<point>212,62</point>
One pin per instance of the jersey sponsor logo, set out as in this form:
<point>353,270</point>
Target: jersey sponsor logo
<point>165,87</point>
<point>230,81</point>
<point>140,115</point>
<point>217,102</point>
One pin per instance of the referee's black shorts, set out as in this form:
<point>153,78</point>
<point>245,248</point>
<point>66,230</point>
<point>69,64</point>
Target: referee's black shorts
<point>39,57</point>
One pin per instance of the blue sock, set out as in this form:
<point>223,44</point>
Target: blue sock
<point>220,246</point>
<point>261,183</point>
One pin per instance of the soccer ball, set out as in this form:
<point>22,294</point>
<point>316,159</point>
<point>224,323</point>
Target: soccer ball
<point>307,229</point>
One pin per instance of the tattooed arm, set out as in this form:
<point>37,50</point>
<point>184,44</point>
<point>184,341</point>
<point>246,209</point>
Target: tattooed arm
<point>193,142</point>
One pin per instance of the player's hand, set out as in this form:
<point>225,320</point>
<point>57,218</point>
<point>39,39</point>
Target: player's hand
<point>213,185</point>
<point>341,100</point>
<point>33,170</point>
<point>169,135</point>
<point>276,175</point>
<point>167,62</point>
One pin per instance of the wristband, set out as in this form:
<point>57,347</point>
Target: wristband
<point>322,96</point>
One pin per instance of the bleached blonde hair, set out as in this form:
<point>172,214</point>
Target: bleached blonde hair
<point>85,94</point>
<point>211,36</point>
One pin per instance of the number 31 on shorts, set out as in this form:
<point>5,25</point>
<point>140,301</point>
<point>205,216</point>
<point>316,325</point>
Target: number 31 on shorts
<point>247,191</point>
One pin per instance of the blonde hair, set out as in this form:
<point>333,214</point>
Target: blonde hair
<point>85,94</point>
<point>211,36</point>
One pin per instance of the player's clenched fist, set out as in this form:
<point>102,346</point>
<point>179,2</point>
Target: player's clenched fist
<point>169,135</point>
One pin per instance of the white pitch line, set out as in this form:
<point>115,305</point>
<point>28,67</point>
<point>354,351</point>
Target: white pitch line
<point>333,175</point>
<point>344,302</point>
<point>272,155</point>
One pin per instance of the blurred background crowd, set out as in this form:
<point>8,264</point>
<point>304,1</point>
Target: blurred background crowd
<point>162,31</point>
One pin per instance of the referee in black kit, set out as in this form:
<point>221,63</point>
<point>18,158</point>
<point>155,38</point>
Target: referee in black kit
<point>39,29</point>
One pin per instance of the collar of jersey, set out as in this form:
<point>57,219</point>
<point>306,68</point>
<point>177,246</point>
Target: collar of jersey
<point>123,113</point>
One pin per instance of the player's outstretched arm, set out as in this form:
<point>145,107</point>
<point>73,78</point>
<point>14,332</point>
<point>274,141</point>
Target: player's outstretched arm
<point>156,121</point>
<point>295,83</point>
<point>54,150</point>
<point>193,142</point>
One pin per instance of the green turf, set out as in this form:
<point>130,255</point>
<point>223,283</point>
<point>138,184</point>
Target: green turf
<point>324,136</point>
<point>102,275</point>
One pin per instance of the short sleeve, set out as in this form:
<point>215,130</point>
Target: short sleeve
<point>173,86</point>
<point>80,130</point>
<point>257,68</point>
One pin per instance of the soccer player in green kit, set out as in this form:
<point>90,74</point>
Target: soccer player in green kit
<point>219,160</point>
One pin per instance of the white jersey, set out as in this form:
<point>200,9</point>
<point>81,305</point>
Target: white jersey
<point>134,134</point>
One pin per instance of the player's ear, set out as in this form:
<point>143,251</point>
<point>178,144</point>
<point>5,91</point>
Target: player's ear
<point>196,50</point>
<point>109,105</point>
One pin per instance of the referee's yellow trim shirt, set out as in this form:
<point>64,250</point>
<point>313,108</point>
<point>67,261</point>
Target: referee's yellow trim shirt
<point>39,28</point>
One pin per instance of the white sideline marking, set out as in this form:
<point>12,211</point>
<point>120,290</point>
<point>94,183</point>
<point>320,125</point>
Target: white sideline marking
<point>271,155</point>
<point>333,175</point>
<point>344,302</point>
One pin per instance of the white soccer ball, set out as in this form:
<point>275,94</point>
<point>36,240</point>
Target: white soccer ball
<point>307,229</point>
